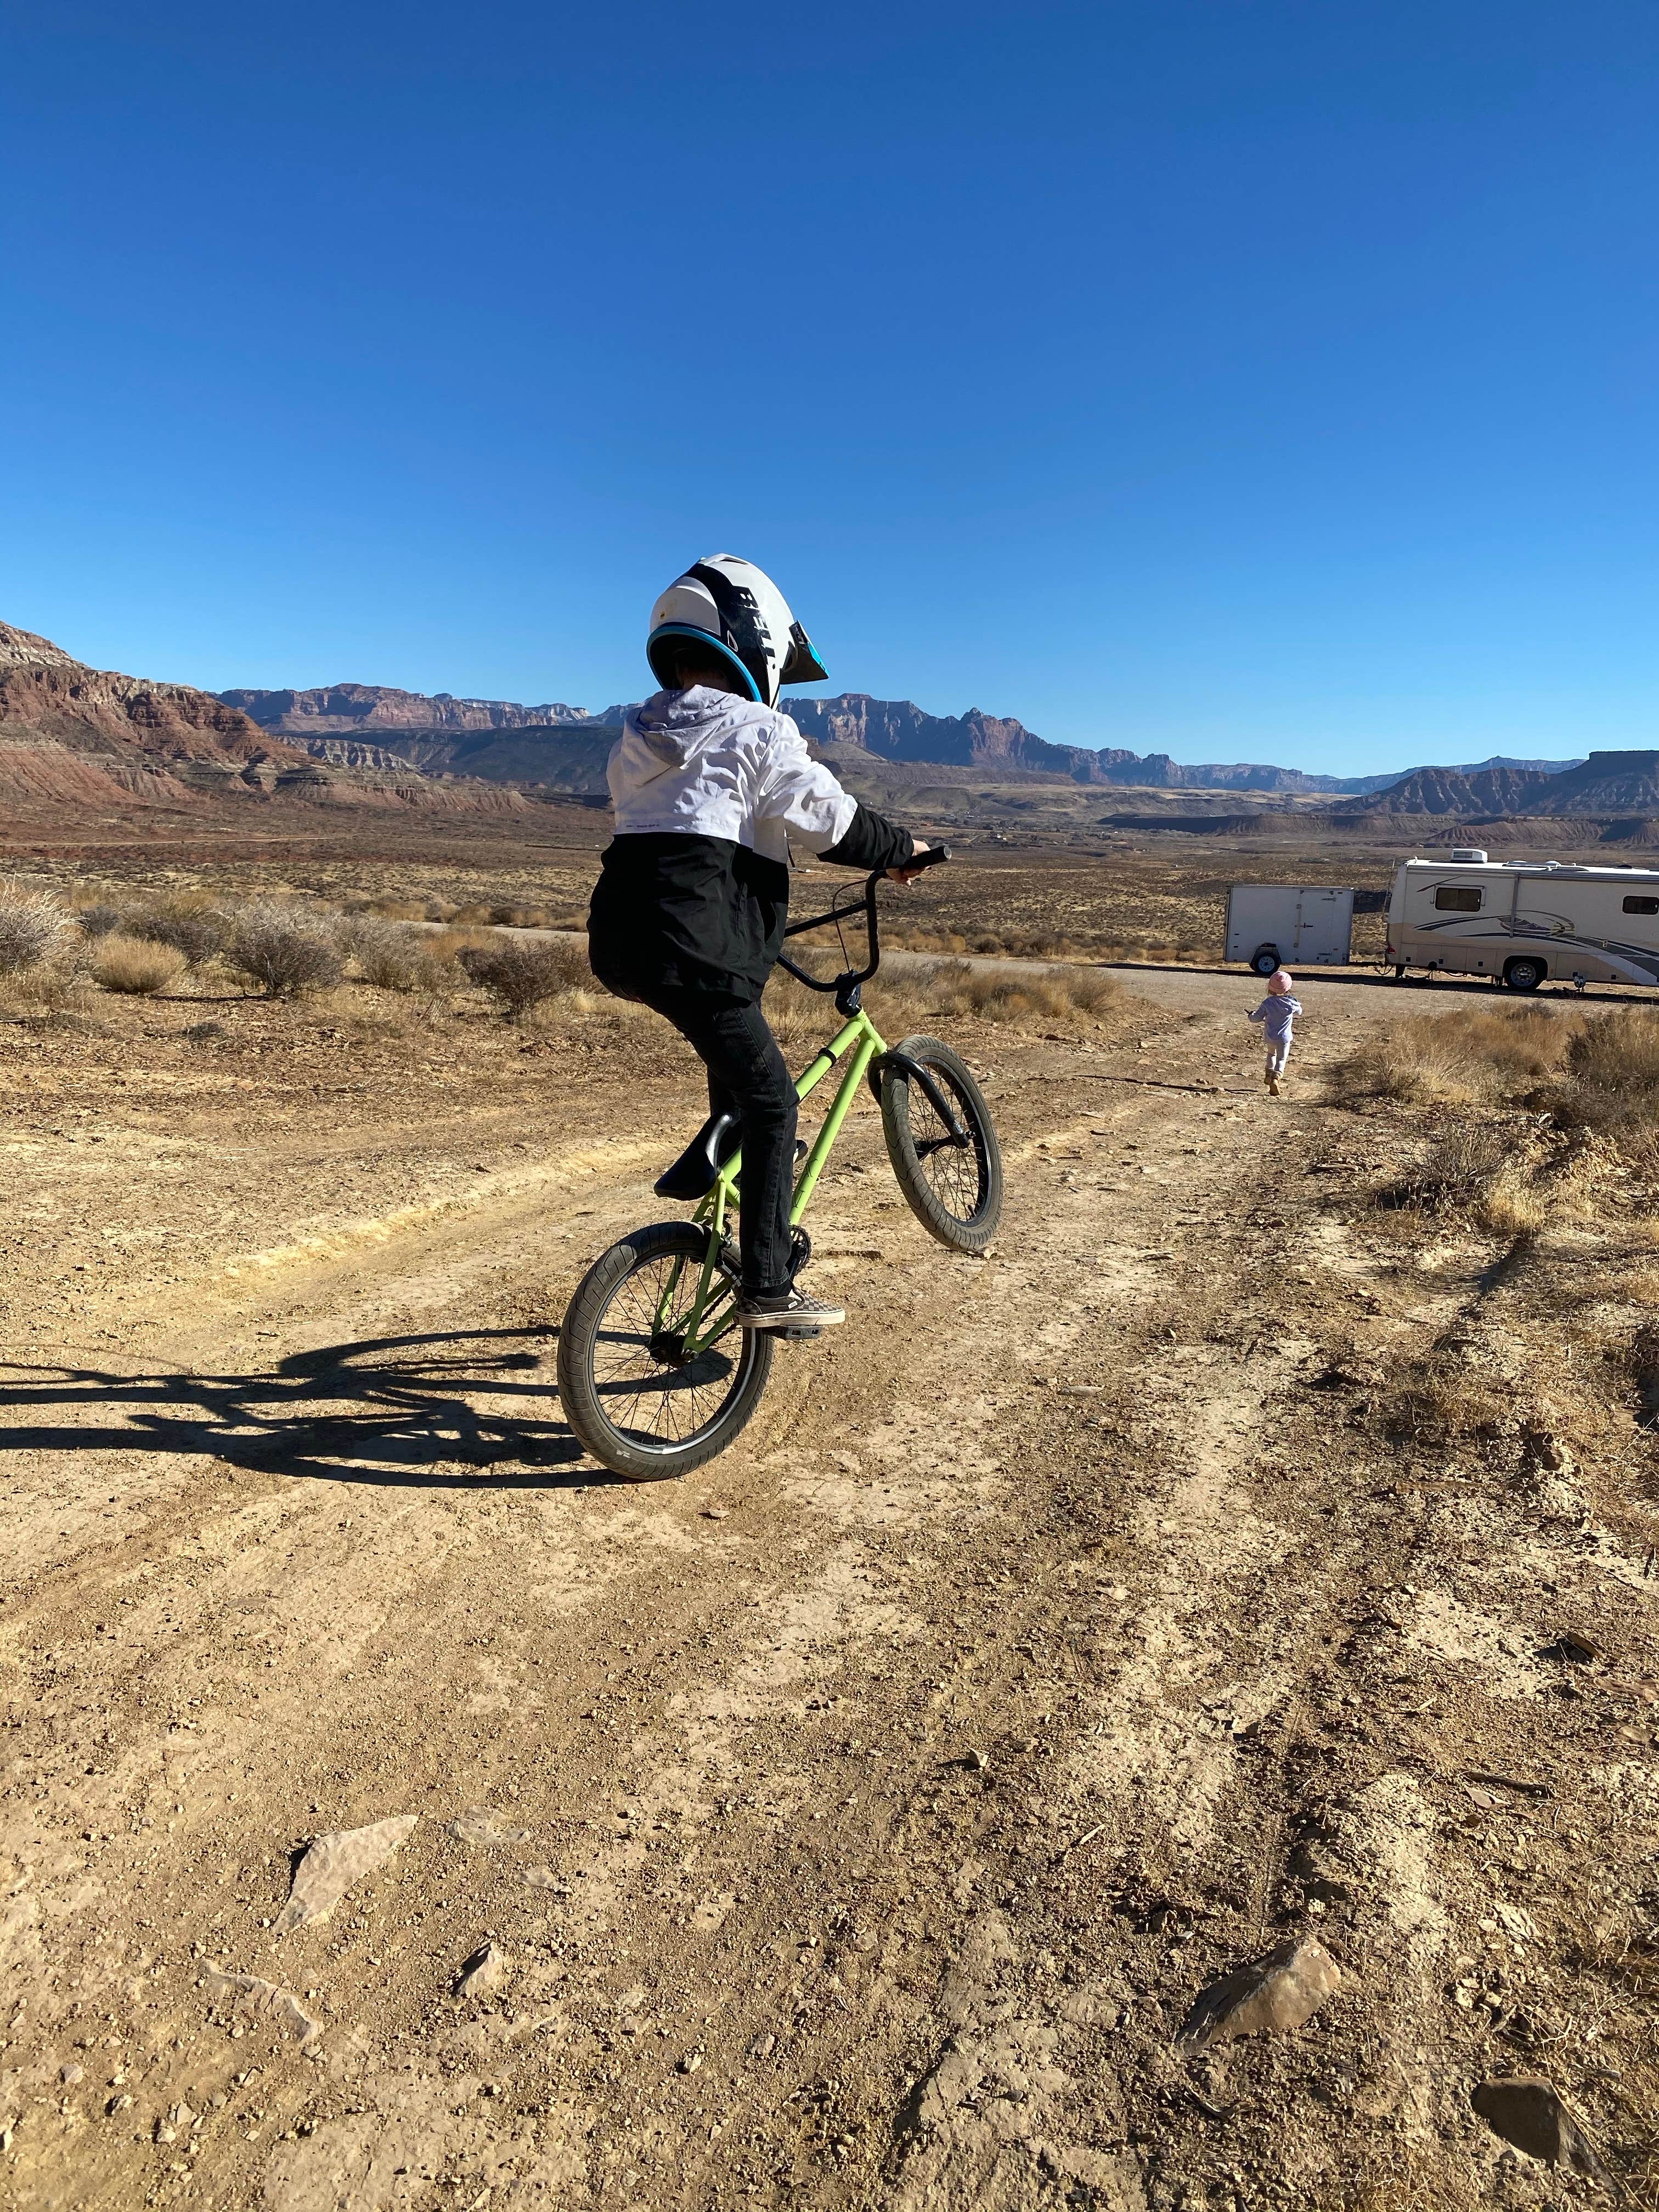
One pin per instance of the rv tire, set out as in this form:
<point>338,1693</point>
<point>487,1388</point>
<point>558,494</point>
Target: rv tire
<point>1524,974</point>
<point>1265,959</point>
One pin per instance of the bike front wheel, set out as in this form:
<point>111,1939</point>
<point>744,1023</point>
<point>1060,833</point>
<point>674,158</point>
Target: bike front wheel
<point>632,1396</point>
<point>954,1188</point>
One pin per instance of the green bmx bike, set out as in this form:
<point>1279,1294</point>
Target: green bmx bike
<point>655,1375</point>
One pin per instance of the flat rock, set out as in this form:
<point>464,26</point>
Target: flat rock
<point>480,1827</point>
<point>334,1862</point>
<point>249,1993</point>
<point>1271,1995</point>
<point>484,1970</point>
<point>1529,2112</point>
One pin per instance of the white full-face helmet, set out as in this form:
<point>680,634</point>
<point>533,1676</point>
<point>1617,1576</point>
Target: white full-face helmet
<point>733,608</point>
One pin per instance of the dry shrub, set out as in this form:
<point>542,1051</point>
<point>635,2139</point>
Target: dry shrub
<point>1455,1172</point>
<point>1611,1080</point>
<point>391,957</point>
<point>1444,1401</point>
<point>283,949</point>
<point>97,921</point>
<point>1457,1060</point>
<point>391,907</point>
<point>136,965</point>
<point>195,933</point>
<point>521,973</point>
<point>32,926</point>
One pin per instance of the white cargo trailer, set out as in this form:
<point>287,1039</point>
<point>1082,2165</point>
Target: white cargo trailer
<point>1289,925</point>
<point>1525,920</point>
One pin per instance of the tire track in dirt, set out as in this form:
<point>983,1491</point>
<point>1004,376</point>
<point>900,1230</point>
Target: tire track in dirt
<point>862,1845</point>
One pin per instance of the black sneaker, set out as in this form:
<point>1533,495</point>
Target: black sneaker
<point>790,1310</point>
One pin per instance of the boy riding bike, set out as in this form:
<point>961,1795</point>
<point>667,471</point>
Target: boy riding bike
<point>688,916</point>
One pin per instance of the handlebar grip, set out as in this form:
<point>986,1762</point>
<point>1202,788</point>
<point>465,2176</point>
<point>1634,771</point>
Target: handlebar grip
<point>930,859</point>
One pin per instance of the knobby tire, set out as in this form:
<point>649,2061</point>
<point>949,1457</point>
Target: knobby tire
<point>954,1191</point>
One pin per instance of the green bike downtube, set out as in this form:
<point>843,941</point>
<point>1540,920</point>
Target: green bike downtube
<point>869,1045</point>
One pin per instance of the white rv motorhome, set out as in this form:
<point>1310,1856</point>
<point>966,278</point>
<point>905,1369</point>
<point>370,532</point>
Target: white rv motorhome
<point>1525,920</point>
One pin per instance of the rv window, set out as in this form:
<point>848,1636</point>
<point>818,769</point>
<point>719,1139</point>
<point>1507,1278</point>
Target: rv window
<point>1642,906</point>
<point>1452,898</point>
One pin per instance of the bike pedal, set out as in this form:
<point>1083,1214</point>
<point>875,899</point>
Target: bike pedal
<point>799,1335</point>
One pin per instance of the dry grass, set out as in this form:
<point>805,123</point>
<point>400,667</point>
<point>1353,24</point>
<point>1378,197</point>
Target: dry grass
<point>906,998</point>
<point>1457,1060</point>
<point>995,995</point>
<point>1610,1081</point>
<point>137,966</point>
<point>1579,1077</point>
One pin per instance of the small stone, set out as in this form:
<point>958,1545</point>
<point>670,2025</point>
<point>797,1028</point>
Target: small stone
<point>716,1512</point>
<point>121,2104</point>
<point>1573,1645</point>
<point>763,2045</point>
<point>1529,2113</point>
<point>1274,1995</point>
<point>977,1762</point>
<point>482,1973</point>
<point>71,2074</point>
<point>691,2063</point>
<point>181,2115</point>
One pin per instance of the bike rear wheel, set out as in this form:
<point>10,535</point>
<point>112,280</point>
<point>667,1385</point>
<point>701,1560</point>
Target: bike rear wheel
<point>630,1395</point>
<point>954,1190</point>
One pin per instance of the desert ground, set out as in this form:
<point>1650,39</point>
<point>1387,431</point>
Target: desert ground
<point>1257,1548</point>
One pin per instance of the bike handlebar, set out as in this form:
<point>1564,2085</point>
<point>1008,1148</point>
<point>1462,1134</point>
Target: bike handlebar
<point>841,984</point>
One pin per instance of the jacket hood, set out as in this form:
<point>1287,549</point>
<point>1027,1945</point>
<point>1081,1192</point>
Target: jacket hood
<point>675,726</point>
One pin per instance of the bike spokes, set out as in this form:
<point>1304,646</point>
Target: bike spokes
<point>655,1373</point>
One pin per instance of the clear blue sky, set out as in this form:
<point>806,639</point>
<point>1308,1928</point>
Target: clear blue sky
<point>1234,377</point>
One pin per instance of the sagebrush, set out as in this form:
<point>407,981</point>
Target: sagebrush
<point>520,973</point>
<point>32,926</point>
<point>282,949</point>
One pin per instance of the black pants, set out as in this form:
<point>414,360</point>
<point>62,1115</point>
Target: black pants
<point>748,1076</point>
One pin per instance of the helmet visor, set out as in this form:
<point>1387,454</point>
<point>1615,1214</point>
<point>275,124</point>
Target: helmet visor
<point>801,663</point>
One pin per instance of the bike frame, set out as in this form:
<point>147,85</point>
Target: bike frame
<point>711,1314</point>
<point>712,1309</point>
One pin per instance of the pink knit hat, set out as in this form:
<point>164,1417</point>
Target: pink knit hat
<point>1279,981</point>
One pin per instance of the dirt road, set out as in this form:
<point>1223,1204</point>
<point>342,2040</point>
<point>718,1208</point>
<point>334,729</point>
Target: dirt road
<point>856,1823</point>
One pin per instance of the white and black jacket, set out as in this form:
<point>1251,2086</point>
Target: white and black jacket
<point>695,888</point>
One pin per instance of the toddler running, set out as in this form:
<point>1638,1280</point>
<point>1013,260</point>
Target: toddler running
<point>1276,1013</point>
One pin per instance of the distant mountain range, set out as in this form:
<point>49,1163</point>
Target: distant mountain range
<point>359,709</point>
<point>1608,784</point>
<point>563,748</point>
<point>98,742</point>
<point>92,741</point>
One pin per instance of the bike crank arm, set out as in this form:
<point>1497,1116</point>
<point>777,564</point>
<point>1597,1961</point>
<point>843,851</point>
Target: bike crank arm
<point>923,1078</point>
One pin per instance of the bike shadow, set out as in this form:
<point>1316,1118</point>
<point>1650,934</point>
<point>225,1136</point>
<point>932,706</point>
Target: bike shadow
<point>401,1412</point>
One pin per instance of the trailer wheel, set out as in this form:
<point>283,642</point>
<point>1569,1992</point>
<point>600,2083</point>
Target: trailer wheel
<point>1265,959</point>
<point>1524,974</point>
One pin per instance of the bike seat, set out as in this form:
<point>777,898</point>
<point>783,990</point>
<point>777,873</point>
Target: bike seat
<point>693,1174</point>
